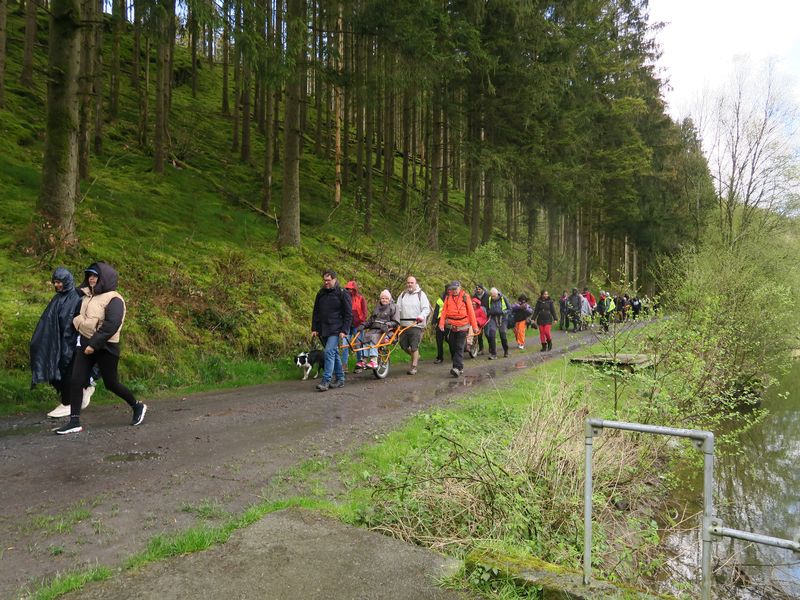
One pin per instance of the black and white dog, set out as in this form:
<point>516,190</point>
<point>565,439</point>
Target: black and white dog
<point>309,360</point>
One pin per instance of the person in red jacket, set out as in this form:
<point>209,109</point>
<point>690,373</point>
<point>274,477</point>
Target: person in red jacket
<point>360,314</point>
<point>455,319</point>
<point>481,318</point>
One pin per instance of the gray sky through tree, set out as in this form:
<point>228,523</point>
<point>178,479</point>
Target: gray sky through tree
<point>702,39</point>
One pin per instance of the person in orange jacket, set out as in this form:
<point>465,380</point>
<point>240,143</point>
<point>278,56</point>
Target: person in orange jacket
<point>455,319</point>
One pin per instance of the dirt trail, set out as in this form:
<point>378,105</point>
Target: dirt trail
<point>97,497</point>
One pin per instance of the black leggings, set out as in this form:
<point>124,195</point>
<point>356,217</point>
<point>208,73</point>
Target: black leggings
<point>107,363</point>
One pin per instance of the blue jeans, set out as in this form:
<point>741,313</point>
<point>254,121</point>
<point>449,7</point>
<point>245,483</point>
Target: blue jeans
<point>333,362</point>
<point>354,335</point>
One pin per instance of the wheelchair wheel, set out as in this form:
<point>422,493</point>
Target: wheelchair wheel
<point>382,369</point>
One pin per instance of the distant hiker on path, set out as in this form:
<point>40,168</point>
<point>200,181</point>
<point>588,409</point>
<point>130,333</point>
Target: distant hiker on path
<point>99,322</point>
<point>331,321</point>
<point>52,347</point>
<point>414,310</point>
<point>520,311</point>
<point>544,313</point>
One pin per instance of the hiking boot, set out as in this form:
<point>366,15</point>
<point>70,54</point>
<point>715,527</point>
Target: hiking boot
<point>544,348</point>
<point>456,372</point>
<point>522,347</point>
<point>549,344</point>
<point>87,396</point>
<point>62,410</point>
<point>505,353</point>
<point>323,386</point>
<point>138,413</point>
<point>493,357</point>
<point>339,383</point>
<point>412,370</point>
<point>438,361</point>
<point>74,426</point>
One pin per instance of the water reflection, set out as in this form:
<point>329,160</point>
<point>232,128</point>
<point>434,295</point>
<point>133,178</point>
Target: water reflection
<point>758,491</point>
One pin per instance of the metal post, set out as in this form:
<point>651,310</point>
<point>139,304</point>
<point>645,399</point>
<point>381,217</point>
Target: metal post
<point>708,512</point>
<point>587,508</point>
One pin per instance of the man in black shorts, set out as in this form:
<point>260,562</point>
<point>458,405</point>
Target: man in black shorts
<point>414,310</point>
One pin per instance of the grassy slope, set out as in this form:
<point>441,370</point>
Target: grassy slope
<point>211,301</point>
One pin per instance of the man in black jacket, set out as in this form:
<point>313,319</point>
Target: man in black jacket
<point>331,320</point>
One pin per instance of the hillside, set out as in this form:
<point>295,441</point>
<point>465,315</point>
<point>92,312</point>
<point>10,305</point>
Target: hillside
<point>211,301</point>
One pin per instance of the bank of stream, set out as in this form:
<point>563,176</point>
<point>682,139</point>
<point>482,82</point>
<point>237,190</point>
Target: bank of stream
<point>756,490</point>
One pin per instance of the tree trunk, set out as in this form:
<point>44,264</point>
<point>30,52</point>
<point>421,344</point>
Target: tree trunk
<point>347,57</point>
<point>31,26</point>
<point>406,149</point>
<point>57,194</point>
<point>97,83</point>
<point>445,160</point>
<point>226,52</point>
<point>162,81</point>
<point>436,169</point>
<point>237,73</point>
<point>85,88</point>
<point>289,229</point>
<point>359,110</point>
<point>144,96</point>
<point>118,19</point>
<point>276,151</point>
<point>339,41</point>
<point>3,21</point>
<point>531,237</point>
<point>193,41</point>
<point>269,131</point>
<point>317,53</point>
<point>246,113</point>
<point>369,111</point>
<point>488,211</point>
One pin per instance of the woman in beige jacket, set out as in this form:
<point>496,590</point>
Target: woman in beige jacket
<point>99,322</point>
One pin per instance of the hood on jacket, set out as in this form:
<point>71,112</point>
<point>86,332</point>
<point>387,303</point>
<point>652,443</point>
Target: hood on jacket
<point>107,278</point>
<point>352,285</point>
<point>63,275</point>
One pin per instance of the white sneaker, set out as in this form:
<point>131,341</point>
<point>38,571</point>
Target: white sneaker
<point>87,396</point>
<point>59,411</point>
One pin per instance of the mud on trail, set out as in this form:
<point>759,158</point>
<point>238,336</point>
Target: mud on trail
<point>97,497</point>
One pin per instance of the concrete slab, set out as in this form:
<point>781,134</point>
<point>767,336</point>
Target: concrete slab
<point>290,554</point>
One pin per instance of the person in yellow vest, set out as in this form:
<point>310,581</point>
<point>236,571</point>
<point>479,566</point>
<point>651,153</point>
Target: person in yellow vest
<point>98,322</point>
<point>455,319</point>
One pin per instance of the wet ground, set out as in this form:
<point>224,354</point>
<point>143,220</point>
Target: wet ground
<point>97,497</point>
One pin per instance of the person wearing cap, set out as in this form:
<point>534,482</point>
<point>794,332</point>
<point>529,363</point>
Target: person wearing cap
<point>331,320</point>
<point>360,312</point>
<point>52,347</point>
<point>574,309</point>
<point>605,308</point>
<point>481,294</point>
<point>415,308</point>
<point>99,321</point>
<point>481,319</point>
<point>456,317</point>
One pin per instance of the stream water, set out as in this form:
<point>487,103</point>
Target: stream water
<point>758,491</point>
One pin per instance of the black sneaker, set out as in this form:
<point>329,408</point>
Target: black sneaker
<point>505,354</point>
<point>71,427</point>
<point>339,383</point>
<point>455,372</point>
<point>493,357</point>
<point>138,413</point>
<point>438,361</point>
<point>323,386</point>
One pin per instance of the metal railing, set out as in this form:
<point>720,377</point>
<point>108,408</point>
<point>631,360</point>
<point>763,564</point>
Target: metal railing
<point>712,527</point>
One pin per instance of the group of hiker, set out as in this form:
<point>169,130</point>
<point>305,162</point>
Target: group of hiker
<point>582,309</point>
<point>341,320</point>
<point>77,339</point>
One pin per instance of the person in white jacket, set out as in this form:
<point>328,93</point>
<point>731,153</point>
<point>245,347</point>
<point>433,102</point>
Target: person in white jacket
<point>414,312</point>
